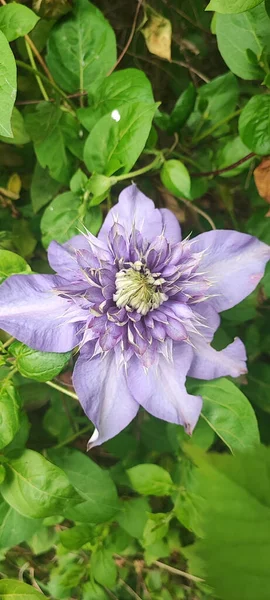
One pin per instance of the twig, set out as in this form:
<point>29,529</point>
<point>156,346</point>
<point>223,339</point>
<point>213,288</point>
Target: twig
<point>130,590</point>
<point>189,205</point>
<point>192,69</point>
<point>162,565</point>
<point>126,47</point>
<point>225,169</point>
<point>33,64</point>
<point>61,389</point>
<point>74,437</point>
<point>39,57</point>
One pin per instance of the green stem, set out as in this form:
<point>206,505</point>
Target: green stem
<point>153,165</point>
<point>74,437</point>
<point>8,342</point>
<point>27,67</point>
<point>33,65</point>
<point>62,389</point>
<point>216,126</point>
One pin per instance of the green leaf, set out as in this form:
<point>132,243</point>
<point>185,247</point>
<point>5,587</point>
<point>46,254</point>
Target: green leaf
<point>218,98</point>
<point>232,6</point>
<point>254,124</point>
<point>258,388</point>
<point>133,516</point>
<point>7,86</point>
<point>243,32</point>
<point>117,140</point>
<point>62,219</point>
<point>175,176</point>
<point>20,135</point>
<point>258,225</point>
<point>16,20</point>
<point>150,479</point>
<point>75,537</point>
<point>234,508</point>
<point>182,109</point>
<point>103,567</point>
<point>11,264</point>
<point>40,366</point>
<point>93,484</point>
<point>43,188</point>
<point>120,88</point>
<point>228,412</point>
<point>156,528</point>
<point>9,412</point>
<point>35,487</point>
<point>43,540</point>
<point>12,589</point>
<point>23,238</point>
<point>44,126</point>
<point>92,591</point>
<point>81,48</point>
<point>14,528</point>
<point>2,477</point>
<point>230,153</point>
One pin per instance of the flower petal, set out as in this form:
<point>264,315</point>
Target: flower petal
<point>103,393</point>
<point>211,364</point>
<point>161,388</point>
<point>172,230</point>
<point>62,257</point>
<point>35,315</point>
<point>134,211</point>
<point>233,262</point>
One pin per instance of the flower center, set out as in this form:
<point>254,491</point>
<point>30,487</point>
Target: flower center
<point>137,289</point>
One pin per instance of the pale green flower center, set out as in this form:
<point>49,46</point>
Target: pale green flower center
<point>137,289</point>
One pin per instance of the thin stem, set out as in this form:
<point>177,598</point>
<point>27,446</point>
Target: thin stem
<point>25,66</point>
<point>62,389</point>
<point>39,57</point>
<point>192,69</point>
<point>225,169</point>
<point>198,210</point>
<point>175,571</point>
<point>216,126</point>
<point>33,64</point>
<point>8,342</point>
<point>126,47</point>
<point>74,437</point>
<point>130,590</point>
<point>154,164</point>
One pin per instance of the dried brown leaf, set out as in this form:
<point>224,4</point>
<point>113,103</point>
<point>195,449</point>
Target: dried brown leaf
<point>262,178</point>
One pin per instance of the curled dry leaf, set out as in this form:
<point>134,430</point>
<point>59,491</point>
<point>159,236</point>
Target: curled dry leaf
<point>158,35</point>
<point>262,178</point>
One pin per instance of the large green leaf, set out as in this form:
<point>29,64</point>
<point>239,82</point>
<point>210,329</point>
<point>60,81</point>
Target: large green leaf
<point>11,263</point>
<point>9,412</point>
<point>40,366</point>
<point>231,152</point>
<point>44,128</point>
<point>12,589</point>
<point>232,6</point>
<point>121,87</point>
<point>117,140</point>
<point>254,124</point>
<point>81,48</point>
<point>43,188</point>
<point>20,135</point>
<point>35,487</point>
<point>239,35</point>
<point>16,20</point>
<point>233,555</point>
<point>63,219</point>
<point>218,98</point>
<point>103,567</point>
<point>93,484</point>
<point>133,516</point>
<point>7,86</point>
<point>14,528</point>
<point>228,412</point>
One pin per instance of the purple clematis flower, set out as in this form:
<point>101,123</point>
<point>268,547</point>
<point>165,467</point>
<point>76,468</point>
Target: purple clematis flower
<point>142,306</point>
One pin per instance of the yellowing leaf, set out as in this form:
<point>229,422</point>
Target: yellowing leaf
<point>158,35</point>
<point>14,184</point>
